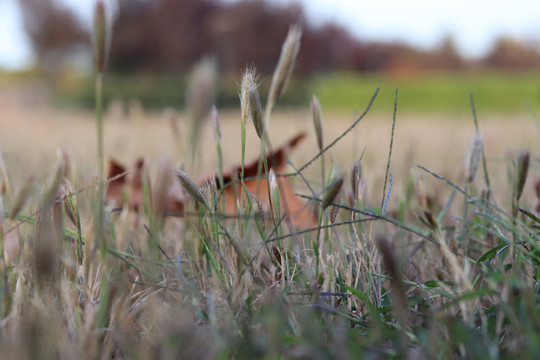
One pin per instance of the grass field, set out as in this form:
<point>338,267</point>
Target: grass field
<point>208,306</point>
<point>495,91</point>
<point>418,238</point>
<point>436,93</point>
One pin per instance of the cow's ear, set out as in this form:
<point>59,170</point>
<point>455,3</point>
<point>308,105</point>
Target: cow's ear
<point>117,173</point>
<point>116,170</point>
<point>276,160</point>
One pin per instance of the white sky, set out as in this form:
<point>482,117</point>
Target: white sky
<point>473,23</point>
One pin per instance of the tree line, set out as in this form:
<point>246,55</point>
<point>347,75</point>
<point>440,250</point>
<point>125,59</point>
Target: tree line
<point>170,35</point>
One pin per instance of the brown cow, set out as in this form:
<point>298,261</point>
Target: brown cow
<point>301,215</point>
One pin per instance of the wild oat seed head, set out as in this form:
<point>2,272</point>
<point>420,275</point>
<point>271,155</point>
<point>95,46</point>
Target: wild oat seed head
<point>287,59</point>
<point>249,81</point>
<point>317,121</point>
<point>191,188</point>
<point>473,160</point>
<point>250,101</point>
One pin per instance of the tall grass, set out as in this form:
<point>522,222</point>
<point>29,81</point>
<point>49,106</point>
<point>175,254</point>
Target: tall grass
<point>379,280</point>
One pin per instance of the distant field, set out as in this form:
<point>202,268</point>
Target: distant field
<point>434,93</point>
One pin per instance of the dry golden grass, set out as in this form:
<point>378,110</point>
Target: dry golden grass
<point>30,137</point>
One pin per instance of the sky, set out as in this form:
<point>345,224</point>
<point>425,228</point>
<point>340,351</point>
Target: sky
<point>474,24</point>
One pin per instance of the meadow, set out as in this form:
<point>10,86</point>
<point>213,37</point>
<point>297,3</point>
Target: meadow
<point>421,246</point>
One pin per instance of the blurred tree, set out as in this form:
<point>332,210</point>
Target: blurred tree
<point>169,36</point>
<point>53,31</point>
<point>511,53</point>
<point>160,35</point>
<point>164,35</point>
<point>447,54</point>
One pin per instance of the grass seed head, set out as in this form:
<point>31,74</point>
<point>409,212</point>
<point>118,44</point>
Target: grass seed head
<point>274,190</point>
<point>356,178</point>
<point>335,209</point>
<point>317,121</point>
<point>256,111</point>
<point>332,192</point>
<point>190,187</point>
<point>210,189</point>
<point>522,169</point>
<point>70,202</point>
<point>101,36</point>
<point>250,100</point>
<point>284,69</point>
<point>249,77</point>
<point>473,160</point>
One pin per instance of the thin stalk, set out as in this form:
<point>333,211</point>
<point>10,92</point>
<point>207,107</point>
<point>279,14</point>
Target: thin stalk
<point>348,130</point>
<point>484,165</point>
<point>389,153</point>
<point>101,171</point>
